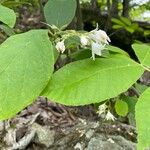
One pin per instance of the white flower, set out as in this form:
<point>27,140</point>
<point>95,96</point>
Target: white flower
<point>109,116</point>
<point>60,46</point>
<point>97,49</point>
<point>99,36</point>
<point>84,40</point>
<point>101,109</point>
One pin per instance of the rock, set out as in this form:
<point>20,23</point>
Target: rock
<point>44,135</point>
<point>100,142</point>
<point>1,126</point>
<point>89,133</point>
<point>78,146</point>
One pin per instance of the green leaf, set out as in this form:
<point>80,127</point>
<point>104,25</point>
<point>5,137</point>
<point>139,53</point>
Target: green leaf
<point>121,108</point>
<point>131,101</point>
<point>140,87</point>
<point>143,53</point>
<point>81,54</point>
<point>129,29</point>
<point>116,50</point>
<point>60,12</point>
<point>125,21</point>
<point>26,65</point>
<point>72,41</point>
<point>7,16</point>
<point>118,22</point>
<point>87,81</point>
<point>143,120</point>
<point>9,31</point>
<point>116,26</point>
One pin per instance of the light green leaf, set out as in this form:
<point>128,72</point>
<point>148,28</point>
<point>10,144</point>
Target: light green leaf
<point>118,22</point>
<point>26,65</point>
<point>116,26</point>
<point>9,31</point>
<point>140,87</point>
<point>121,108</point>
<point>129,29</point>
<point>7,16</point>
<point>143,120</point>
<point>87,81</point>
<point>131,101</point>
<point>60,12</point>
<point>126,21</point>
<point>116,50</point>
<point>143,53</point>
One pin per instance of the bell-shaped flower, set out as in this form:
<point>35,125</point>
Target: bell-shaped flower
<point>109,116</point>
<point>60,46</point>
<point>102,109</point>
<point>99,36</point>
<point>84,40</point>
<point>97,49</point>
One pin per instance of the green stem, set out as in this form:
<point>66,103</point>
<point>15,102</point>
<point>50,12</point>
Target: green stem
<point>147,69</point>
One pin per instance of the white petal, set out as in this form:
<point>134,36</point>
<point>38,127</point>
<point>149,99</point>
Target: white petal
<point>109,116</point>
<point>84,40</point>
<point>60,46</point>
<point>101,109</point>
<point>97,49</point>
<point>99,36</point>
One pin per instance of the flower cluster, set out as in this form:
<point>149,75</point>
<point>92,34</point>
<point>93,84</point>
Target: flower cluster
<point>102,110</point>
<point>96,39</point>
<point>60,46</point>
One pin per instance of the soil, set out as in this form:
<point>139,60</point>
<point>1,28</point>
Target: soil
<point>49,126</point>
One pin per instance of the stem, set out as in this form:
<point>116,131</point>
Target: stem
<point>147,69</point>
<point>42,11</point>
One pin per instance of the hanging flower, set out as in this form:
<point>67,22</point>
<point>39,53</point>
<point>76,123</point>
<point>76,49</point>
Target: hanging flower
<point>60,46</point>
<point>98,39</point>
<point>84,40</point>
<point>102,109</point>
<point>99,36</point>
<point>97,49</point>
<point>109,116</point>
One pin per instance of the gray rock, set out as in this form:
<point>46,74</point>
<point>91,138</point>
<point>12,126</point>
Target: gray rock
<point>1,126</point>
<point>100,142</point>
<point>44,135</point>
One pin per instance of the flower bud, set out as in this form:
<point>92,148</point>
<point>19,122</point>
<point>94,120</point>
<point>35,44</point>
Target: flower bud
<point>60,46</point>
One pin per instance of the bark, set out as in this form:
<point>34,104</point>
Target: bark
<point>114,8</point>
<point>77,22</point>
<point>125,12</point>
<point>79,16</point>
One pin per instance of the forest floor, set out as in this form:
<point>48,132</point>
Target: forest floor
<point>45,125</point>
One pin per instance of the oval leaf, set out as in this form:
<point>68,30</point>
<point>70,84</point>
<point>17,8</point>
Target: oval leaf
<point>143,53</point>
<point>142,114</point>
<point>115,49</point>
<point>60,12</point>
<point>26,64</point>
<point>87,81</point>
<point>121,108</point>
<point>7,16</point>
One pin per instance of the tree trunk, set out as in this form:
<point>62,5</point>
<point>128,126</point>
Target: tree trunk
<point>114,8</point>
<point>77,22</point>
<point>125,12</point>
<point>79,16</point>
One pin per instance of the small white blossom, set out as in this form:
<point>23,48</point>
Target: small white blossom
<point>109,116</point>
<point>60,46</point>
<point>99,36</point>
<point>97,49</point>
<point>102,109</point>
<point>84,40</point>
